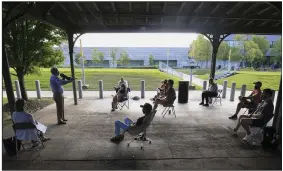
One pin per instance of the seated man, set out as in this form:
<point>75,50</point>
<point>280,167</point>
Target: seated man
<point>211,92</point>
<point>122,81</point>
<point>119,97</point>
<point>249,102</point>
<point>260,117</point>
<point>161,91</point>
<point>169,97</point>
<point>146,109</point>
<point>20,116</point>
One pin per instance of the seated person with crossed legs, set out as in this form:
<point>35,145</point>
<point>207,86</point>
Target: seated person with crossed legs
<point>161,91</point>
<point>119,97</point>
<point>259,118</point>
<point>20,116</point>
<point>249,102</point>
<point>119,136</point>
<point>211,92</point>
<point>168,98</point>
<point>122,81</point>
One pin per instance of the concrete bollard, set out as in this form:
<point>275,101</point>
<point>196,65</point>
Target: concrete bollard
<point>80,87</point>
<point>142,88</point>
<point>243,90</point>
<point>224,88</point>
<point>233,88</point>
<point>101,89</point>
<point>18,90</point>
<point>38,90</point>
<point>204,87</point>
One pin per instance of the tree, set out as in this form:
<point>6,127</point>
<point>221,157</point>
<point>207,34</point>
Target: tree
<point>276,51</point>
<point>236,54</point>
<point>78,59</point>
<point>201,49</point>
<point>30,45</point>
<point>113,53</point>
<point>262,43</point>
<point>151,60</point>
<point>124,58</point>
<point>223,52</point>
<point>97,56</point>
<point>253,54</point>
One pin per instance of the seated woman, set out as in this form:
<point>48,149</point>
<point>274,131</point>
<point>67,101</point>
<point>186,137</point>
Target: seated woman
<point>20,116</point>
<point>161,91</point>
<point>119,97</point>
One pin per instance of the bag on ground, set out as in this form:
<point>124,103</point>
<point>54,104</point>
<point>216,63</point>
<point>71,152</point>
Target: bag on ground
<point>10,145</point>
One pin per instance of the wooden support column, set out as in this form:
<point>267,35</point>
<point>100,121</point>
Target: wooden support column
<point>7,79</point>
<point>215,40</point>
<point>71,50</point>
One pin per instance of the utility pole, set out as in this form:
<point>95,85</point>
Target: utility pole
<point>84,86</point>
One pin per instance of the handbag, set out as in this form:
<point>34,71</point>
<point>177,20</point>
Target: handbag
<point>10,145</point>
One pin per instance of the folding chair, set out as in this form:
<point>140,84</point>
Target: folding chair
<point>25,126</point>
<point>217,97</point>
<point>168,108</point>
<point>139,133</point>
<point>125,102</point>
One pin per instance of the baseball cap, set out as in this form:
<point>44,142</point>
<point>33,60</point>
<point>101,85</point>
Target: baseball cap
<point>147,106</point>
<point>258,82</point>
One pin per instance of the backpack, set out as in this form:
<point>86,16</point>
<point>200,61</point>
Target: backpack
<point>136,98</point>
<point>10,145</point>
<point>270,139</point>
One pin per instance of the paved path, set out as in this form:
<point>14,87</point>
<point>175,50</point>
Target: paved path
<point>196,139</point>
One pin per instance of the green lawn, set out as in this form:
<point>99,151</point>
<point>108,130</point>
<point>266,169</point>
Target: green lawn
<point>268,79</point>
<point>201,71</point>
<point>110,77</point>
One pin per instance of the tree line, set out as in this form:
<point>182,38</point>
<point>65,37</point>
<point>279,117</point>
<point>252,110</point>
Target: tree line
<point>252,51</point>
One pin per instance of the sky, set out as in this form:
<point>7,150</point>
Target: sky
<point>136,39</point>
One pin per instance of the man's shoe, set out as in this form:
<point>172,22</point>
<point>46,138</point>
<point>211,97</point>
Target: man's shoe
<point>112,110</point>
<point>206,105</point>
<point>65,119</point>
<point>117,138</point>
<point>61,122</point>
<point>233,117</point>
<point>44,139</point>
<point>201,103</point>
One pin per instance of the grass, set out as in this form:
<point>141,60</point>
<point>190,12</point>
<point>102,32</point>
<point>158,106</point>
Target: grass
<point>33,105</point>
<point>110,77</point>
<point>201,71</point>
<point>268,79</point>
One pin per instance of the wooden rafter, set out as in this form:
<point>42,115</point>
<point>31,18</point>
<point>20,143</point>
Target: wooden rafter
<point>164,6</point>
<point>251,8</point>
<point>81,9</point>
<point>215,9</point>
<point>237,6</point>
<point>130,7</point>
<point>147,7</point>
<point>262,24</point>
<point>96,7</point>
<point>182,6</point>
<point>199,7</point>
<point>263,11</point>
<point>66,10</point>
<point>249,23</point>
<point>113,6</point>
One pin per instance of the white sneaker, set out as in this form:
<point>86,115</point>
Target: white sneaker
<point>247,138</point>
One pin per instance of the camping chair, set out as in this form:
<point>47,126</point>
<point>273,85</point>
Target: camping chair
<point>218,97</point>
<point>139,133</point>
<point>125,102</point>
<point>25,126</point>
<point>254,133</point>
<point>168,108</point>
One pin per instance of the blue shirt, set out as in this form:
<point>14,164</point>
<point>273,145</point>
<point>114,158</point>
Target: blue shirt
<point>56,84</point>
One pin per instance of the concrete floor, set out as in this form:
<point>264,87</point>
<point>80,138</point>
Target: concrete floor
<point>197,139</point>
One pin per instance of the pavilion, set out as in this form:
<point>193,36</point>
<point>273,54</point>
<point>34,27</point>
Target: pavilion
<point>215,20</point>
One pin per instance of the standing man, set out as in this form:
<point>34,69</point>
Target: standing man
<point>57,89</point>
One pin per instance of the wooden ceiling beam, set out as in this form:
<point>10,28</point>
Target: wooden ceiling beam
<point>251,8</point>
<point>130,7</point>
<point>182,6</point>
<point>262,24</point>
<point>164,6</point>
<point>95,6</point>
<point>264,10</point>
<point>66,11</point>
<point>81,9</point>
<point>237,6</point>
<point>215,9</point>
<point>147,7</point>
<point>113,6</point>
<point>249,23</point>
<point>199,7</point>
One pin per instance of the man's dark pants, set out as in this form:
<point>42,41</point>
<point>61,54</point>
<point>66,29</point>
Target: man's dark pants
<point>206,95</point>
<point>59,100</point>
